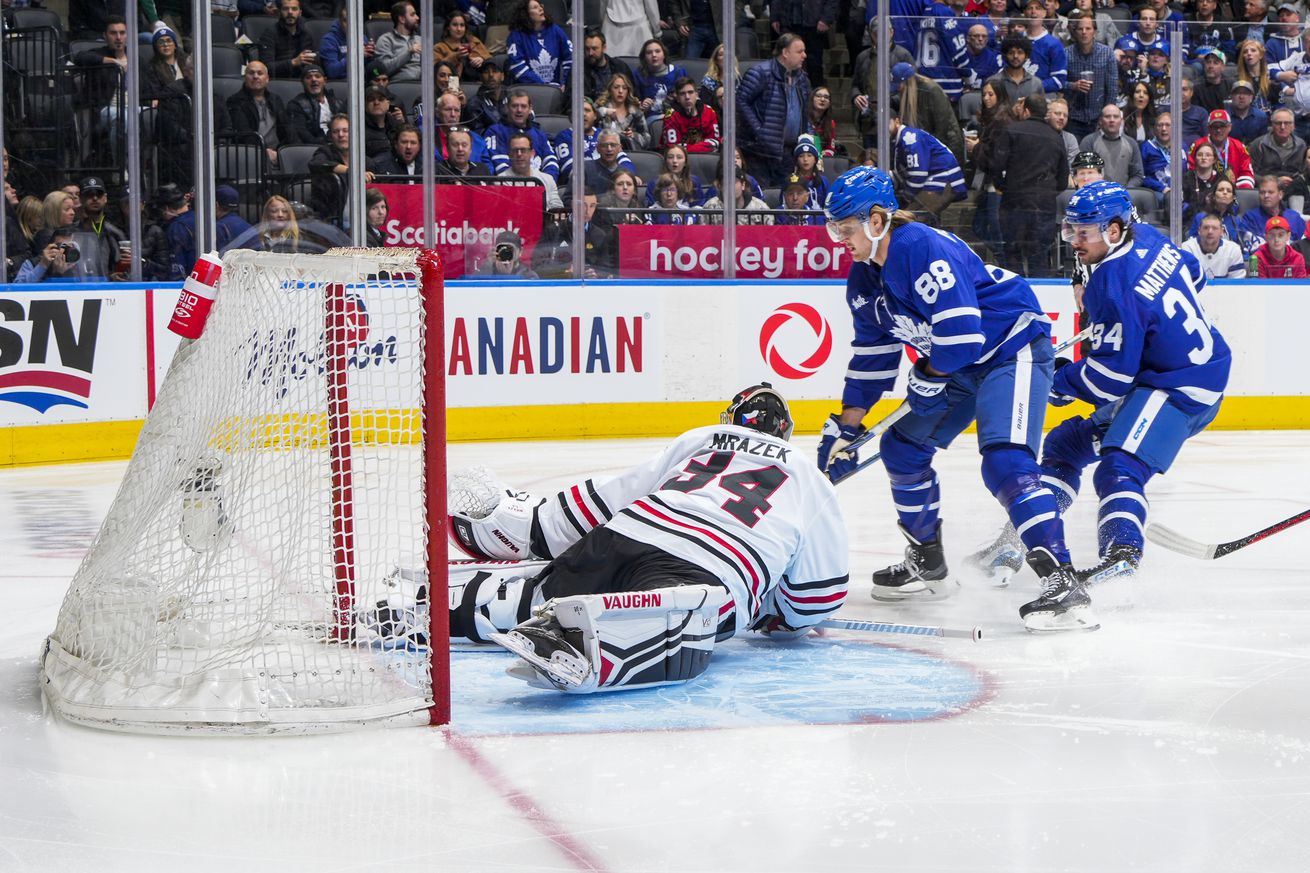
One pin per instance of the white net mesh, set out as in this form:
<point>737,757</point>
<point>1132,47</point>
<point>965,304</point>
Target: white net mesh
<point>475,492</point>
<point>275,485</point>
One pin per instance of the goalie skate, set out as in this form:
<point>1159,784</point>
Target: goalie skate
<point>1000,560</point>
<point>544,645</point>
<point>1063,604</point>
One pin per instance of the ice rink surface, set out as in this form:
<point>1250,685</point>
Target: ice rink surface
<point>1176,738</point>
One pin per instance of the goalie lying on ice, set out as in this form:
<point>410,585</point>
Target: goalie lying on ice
<point>729,527</point>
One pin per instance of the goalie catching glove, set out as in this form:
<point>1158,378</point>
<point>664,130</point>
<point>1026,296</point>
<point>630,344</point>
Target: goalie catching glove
<point>505,534</point>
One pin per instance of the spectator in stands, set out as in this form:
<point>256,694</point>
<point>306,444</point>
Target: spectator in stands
<point>504,261</point>
<point>381,118</point>
<point>332,51</point>
<point>1093,75</point>
<point>376,208</point>
<point>403,158</point>
<point>1221,258</point>
<point>179,222</point>
<point>1251,224</point>
<point>1145,34</point>
<point>671,207</point>
<point>461,48</point>
<point>1132,64</point>
<point>256,110</point>
<point>1015,82</point>
<point>523,164</point>
<point>1123,158</point>
<point>103,244</point>
<point>750,209</point>
<point>811,21</point>
<point>449,113</point>
<point>489,104</point>
<point>612,210</point>
<point>518,120</point>
<point>1206,31</point>
<point>1249,122</point>
<point>598,66</point>
<point>476,10</point>
<point>980,57</point>
<point>1047,52</point>
<point>771,110</point>
<point>286,47</point>
<point>398,52</point>
<point>1156,167</point>
<point>166,65</point>
<point>688,122</point>
<point>923,104</point>
<point>1290,83</point>
<point>1287,35</point>
<point>620,110</point>
<point>1139,113</point>
<point>1275,258</point>
<point>229,225</point>
<point>678,167</point>
<point>599,171</point>
<point>539,51</point>
<point>1194,118</point>
<point>1223,203</point>
<point>1057,116</point>
<point>1032,168</point>
<point>795,197</point>
<point>1158,80</point>
<point>59,260</point>
<point>459,156</point>
<point>864,84</point>
<point>310,112</point>
<point>279,230</point>
<point>928,178</point>
<point>808,169</point>
<point>103,83</point>
<point>654,79</point>
<point>562,143</point>
<point>993,117</point>
<point>1199,182</point>
<point>822,125</point>
<point>59,209</point>
<point>711,85</point>
<point>1211,91</point>
<point>1298,192</point>
<point>328,173</point>
<point>30,223</point>
<point>630,23</point>
<point>700,23</point>
<point>1233,156</point>
<point>1107,31</point>
<point>74,190</point>
<point>1279,152</point>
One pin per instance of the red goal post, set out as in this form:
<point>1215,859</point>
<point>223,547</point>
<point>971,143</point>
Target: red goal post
<point>292,466</point>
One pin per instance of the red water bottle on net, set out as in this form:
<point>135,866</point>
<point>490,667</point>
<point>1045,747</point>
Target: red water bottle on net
<point>197,297</point>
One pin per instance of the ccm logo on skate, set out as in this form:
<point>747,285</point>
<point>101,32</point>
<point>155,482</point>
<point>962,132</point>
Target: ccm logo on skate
<point>28,375</point>
<point>631,601</point>
<point>803,333</point>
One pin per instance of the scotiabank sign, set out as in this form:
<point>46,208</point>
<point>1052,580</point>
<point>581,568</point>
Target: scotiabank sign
<point>468,219</point>
<point>696,252</point>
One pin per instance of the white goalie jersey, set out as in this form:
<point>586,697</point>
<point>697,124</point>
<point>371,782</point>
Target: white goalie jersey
<point>750,508</point>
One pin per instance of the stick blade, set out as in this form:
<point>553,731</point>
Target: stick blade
<point>1165,536</point>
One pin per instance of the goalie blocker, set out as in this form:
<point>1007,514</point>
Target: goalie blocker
<point>727,528</point>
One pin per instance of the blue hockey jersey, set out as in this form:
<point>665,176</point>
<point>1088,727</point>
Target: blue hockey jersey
<point>904,15</point>
<point>1148,328</point>
<point>1050,63</point>
<point>543,57</point>
<point>1251,228</point>
<point>498,148</point>
<point>563,147</point>
<point>1155,166</point>
<point>935,294</point>
<point>925,164</point>
<point>941,50</point>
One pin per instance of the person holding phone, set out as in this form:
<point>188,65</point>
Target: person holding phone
<point>461,49</point>
<point>287,46</point>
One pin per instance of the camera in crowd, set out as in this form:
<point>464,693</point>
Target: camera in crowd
<point>72,254</point>
<point>505,252</point>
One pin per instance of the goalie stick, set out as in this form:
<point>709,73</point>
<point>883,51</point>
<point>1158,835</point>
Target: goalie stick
<point>918,630</point>
<point>901,411</point>
<point>1171,539</point>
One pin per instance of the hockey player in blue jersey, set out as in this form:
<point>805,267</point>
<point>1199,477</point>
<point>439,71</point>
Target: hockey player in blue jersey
<point>928,175</point>
<point>984,353</point>
<point>1156,372</point>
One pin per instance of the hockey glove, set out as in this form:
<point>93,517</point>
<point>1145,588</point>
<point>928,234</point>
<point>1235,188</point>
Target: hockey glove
<point>926,394</point>
<point>1057,399</point>
<point>834,460</point>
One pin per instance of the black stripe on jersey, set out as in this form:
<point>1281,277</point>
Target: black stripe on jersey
<point>820,611</point>
<point>695,540</point>
<point>563,498</point>
<point>822,583</point>
<point>719,529</point>
<point>595,499</point>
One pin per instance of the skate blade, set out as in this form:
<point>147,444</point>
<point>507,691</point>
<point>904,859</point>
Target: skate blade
<point>919,592</point>
<point>563,675</point>
<point>996,576</point>
<point>1079,618</point>
<point>529,674</point>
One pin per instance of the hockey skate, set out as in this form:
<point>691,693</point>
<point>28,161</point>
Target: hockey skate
<point>1063,603</point>
<point>553,652</point>
<point>921,576</point>
<point>1119,562</point>
<point>1000,560</point>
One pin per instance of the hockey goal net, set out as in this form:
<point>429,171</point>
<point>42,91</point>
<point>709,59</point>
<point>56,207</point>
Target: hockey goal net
<point>293,460</point>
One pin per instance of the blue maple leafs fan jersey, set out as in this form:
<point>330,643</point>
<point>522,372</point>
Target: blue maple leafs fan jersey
<point>935,294</point>
<point>1148,328</point>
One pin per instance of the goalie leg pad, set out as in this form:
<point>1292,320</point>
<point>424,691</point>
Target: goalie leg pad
<point>632,639</point>
<point>503,535</point>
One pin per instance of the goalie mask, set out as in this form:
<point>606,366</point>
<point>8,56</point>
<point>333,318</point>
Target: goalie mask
<point>760,408</point>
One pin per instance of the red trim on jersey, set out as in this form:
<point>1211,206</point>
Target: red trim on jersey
<point>577,498</point>
<point>826,598</point>
<point>710,535</point>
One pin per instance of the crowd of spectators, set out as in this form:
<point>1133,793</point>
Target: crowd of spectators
<point>994,103</point>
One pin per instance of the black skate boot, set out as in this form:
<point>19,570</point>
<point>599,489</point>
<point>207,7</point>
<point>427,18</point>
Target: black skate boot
<point>1120,562</point>
<point>1063,604</point>
<point>1000,560</point>
<point>921,576</point>
<point>553,652</point>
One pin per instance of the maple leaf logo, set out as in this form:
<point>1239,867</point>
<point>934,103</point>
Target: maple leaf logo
<point>913,333</point>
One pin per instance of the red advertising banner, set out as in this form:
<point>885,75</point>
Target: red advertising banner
<point>696,252</point>
<point>468,219</point>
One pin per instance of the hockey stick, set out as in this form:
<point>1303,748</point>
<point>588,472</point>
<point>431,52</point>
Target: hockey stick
<point>901,411</point>
<point>917,630</point>
<point>1185,545</point>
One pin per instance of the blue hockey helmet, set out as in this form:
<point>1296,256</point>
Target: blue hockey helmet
<point>760,407</point>
<point>855,193</point>
<point>1098,203</point>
